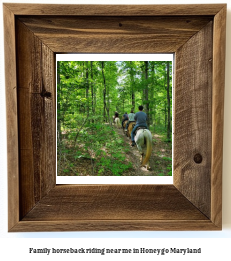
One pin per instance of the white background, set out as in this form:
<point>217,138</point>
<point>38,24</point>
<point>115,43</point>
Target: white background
<point>213,244</point>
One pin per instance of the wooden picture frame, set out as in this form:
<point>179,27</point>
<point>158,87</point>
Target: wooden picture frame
<point>33,34</point>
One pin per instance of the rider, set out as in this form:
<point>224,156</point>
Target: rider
<point>125,118</point>
<point>131,116</point>
<point>115,116</point>
<point>141,121</point>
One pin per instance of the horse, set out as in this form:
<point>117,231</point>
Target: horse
<point>130,127</point>
<point>117,122</point>
<point>143,140</point>
<point>124,125</point>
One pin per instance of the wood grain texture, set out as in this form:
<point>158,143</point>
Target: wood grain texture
<point>115,10</point>
<point>218,114</point>
<point>108,202</point>
<point>193,114</point>
<point>36,106</point>
<point>114,34</point>
<point>114,225</point>
<point>11,115</point>
<point>194,201</point>
<point>114,207</point>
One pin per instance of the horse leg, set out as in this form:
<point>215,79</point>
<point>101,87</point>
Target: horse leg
<point>141,161</point>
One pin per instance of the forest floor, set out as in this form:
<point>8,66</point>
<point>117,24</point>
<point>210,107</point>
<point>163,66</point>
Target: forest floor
<point>160,160</point>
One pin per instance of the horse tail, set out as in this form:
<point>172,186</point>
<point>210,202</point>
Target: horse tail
<point>148,140</point>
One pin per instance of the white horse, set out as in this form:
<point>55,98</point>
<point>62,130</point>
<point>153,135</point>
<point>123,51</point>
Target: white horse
<point>143,141</point>
<point>117,122</point>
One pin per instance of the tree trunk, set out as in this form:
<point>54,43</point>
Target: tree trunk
<point>132,85</point>
<point>87,87</point>
<point>107,96</point>
<point>92,91</point>
<point>146,104</point>
<point>59,134</point>
<point>104,93</point>
<point>168,106</point>
<point>152,97</point>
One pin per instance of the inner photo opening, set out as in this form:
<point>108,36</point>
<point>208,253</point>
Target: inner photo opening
<point>114,118</point>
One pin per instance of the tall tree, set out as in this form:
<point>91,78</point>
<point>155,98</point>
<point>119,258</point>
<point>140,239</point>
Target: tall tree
<point>58,103</point>
<point>132,84</point>
<point>92,90</point>
<point>146,98</point>
<point>152,95</point>
<point>87,87</point>
<point>104,92</point>
<point>168,104</point>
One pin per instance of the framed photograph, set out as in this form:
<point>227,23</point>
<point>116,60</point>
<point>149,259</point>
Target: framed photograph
<point>93,147</point>
<point>34,34</point>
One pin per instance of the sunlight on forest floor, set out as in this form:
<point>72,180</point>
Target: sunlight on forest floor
<point>160,161</point>
<point>161,164</point>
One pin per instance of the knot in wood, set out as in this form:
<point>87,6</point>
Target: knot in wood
<point>198,158</point>
<point>45,94</point>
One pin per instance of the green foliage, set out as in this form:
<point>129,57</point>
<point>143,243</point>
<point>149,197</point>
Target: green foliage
<point>89,93</point>
<point>167,158</point>
<point>99,142</point>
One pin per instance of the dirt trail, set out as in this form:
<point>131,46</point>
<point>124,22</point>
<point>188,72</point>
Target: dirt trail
<point>160,162</point>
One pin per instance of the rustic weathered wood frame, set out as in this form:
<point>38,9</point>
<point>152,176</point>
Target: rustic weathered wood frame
<point>33,34</point>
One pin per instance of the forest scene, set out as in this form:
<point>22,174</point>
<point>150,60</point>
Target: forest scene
<point>89,93</point>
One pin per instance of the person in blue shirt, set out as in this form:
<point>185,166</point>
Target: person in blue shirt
<point>141,121</point>
<point>125,118</point>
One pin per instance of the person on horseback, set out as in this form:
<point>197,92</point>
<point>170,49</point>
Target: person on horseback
<point>125,118</point>
<point>131,116</point>
<point>141,121</point>
<point>115,116</point>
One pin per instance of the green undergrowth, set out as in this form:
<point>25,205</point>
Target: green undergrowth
<point>98,151</point>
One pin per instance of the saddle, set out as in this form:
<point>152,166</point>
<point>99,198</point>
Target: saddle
<point>140,128</point>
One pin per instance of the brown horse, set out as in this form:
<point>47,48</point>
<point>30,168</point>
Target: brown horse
<point>130,127</point>
<point>124,125</point>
